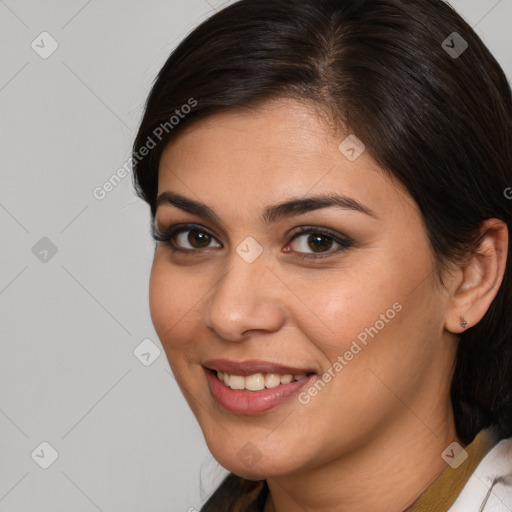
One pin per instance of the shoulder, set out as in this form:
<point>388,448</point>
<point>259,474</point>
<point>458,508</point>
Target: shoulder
<point>489,489</point>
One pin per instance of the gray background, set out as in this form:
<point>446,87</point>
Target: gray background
<point>125,438</point>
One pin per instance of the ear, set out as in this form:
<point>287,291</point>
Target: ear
<point>477,282</point>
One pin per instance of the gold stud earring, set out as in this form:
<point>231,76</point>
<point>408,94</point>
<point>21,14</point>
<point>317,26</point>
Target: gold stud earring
<point>463,322</point>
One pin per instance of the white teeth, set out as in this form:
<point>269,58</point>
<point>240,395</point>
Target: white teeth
<point>272,380</point>
<point>257,381</point>
<point>236,382</point>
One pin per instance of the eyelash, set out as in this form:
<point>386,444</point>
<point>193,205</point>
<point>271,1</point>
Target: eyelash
<point>168,234</point>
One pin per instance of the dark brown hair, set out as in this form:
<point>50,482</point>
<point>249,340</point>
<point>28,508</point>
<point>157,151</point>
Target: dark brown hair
<point>441,124</point>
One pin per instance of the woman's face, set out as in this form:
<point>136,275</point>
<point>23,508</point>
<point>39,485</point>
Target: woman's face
<point>352,302</point>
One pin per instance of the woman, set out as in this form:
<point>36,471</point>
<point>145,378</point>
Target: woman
<point>331,283</point>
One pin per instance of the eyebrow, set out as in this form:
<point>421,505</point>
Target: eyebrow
<point>271,214</point>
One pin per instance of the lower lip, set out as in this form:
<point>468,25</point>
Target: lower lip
<point>252,402</point>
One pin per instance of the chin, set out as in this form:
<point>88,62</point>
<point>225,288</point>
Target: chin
<point>251,464</point>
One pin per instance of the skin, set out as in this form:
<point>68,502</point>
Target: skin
<point>372,438</point>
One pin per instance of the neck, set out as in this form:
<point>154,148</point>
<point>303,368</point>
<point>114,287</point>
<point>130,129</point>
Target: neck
<point>387,474</point>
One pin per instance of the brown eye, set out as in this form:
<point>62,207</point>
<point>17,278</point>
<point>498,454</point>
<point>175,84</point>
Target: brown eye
<point>308,242</point>
<point>319,243</point>
<point>313,243</point>
<point>183,237</point>
<point>194,238</point>
<point>197,239</point>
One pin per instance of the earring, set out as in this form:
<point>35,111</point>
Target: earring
<point>463,322</point>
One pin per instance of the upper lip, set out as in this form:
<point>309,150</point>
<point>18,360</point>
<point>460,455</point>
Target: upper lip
<point>252,366</point>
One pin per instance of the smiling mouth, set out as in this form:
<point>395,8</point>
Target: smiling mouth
<point>254,387</point>
<point>257,381</point>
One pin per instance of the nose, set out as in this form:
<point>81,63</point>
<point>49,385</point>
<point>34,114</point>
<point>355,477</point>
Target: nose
<point>248,298</point>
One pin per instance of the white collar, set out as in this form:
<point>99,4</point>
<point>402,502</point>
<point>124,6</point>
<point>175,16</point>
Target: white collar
<point>489,489</point>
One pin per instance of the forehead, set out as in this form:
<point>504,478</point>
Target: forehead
<point>281,150</point>
<point>276,128</point>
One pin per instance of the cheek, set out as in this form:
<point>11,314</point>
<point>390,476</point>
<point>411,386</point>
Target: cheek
<point>382,330</point>
<point>338,306</point>
<point>161,303</point>
<point>171,301</point>
<point>369,313</point>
